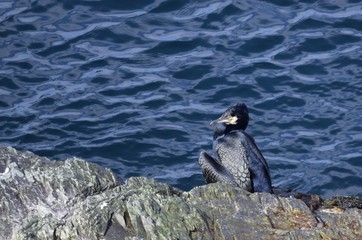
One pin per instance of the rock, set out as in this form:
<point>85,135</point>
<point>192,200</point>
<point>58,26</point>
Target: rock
<point>73,199</point>
<point>38,196</point>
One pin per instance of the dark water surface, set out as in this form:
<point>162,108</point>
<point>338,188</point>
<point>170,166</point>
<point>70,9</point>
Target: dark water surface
<point>132,85</point>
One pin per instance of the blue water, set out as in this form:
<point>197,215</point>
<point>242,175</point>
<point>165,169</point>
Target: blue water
<point>132,85</point>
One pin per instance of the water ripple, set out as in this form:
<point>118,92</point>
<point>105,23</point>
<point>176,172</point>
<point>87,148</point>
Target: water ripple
<point>195,10</point>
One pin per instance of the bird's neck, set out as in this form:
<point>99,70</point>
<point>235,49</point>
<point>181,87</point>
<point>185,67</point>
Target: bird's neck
<point>225,130</point>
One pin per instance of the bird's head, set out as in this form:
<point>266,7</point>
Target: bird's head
<point>234,118</point>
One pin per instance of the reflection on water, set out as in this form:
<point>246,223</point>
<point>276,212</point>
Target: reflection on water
<point>132,86</point>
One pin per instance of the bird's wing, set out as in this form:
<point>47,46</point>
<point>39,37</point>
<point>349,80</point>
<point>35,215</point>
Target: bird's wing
<point>213,171</point>
<point>259,169</point>
<point>233,157</point>
<point>254,148</point>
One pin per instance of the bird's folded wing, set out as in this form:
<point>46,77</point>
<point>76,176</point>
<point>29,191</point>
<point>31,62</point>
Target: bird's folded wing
<point>213,171</point>
<point>256,151</point>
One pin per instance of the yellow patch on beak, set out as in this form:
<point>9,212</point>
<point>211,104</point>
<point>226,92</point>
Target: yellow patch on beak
<point>232,120</point>
<point>228,121</point>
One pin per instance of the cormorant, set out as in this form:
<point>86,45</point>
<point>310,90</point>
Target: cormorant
<point>237,160</point>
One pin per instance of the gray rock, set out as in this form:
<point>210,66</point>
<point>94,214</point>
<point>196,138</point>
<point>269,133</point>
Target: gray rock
<point>73,199</point>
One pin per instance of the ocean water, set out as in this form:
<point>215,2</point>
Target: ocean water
<point>132,85</point>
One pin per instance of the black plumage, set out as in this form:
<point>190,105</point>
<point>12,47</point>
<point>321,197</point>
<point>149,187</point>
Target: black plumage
<point>237,160</point>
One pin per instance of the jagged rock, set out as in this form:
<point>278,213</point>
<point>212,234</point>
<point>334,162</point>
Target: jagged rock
<point>38,196</point>
<point>73,199</point>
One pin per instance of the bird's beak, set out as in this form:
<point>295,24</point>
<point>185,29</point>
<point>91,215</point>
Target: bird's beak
<point>226,120</point>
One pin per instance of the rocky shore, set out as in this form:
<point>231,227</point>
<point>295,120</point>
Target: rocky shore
<point>74,199</point>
